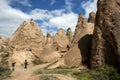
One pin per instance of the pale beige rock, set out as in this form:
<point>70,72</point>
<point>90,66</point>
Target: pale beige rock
<point>49,56</point>
<point>4,41</point>
<point>73,57</point>
<point>20,56</point>
<point>61,39</point>
<point>69,34</point>
<point>83,28</point>
<point>49,41</point>
<point>91,18</point>
<point>28,35</point>
<point>27,39</point>
<point>81,45</point>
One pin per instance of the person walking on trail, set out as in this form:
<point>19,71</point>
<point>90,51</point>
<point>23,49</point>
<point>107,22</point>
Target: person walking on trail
<point>13,65</point>
<point>25,64</point>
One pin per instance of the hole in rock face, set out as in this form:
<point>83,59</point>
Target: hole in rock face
<point>118,2</point>
<point>84,45</point>
<point>112,28</point>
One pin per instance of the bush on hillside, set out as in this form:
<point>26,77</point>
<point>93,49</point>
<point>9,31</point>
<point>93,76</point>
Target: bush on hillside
<point>103,73</point>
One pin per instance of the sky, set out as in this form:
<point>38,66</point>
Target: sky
<point>50,15</point>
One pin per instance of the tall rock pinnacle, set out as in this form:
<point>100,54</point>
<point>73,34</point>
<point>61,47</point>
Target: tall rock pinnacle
<point>61,39</point>
<point>106,37</point>
<point>91,18</point>
<point>82,23</point>
<point>69,34</point>
<point>81,45</point>
<point>27,35</point>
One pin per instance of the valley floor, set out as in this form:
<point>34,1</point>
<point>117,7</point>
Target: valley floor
<point>29,74</point>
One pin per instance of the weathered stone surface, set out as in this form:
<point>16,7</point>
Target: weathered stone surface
<point>4,41</point>
<point>48,56</point>
<point>61,39</point>
<point>20,56</point>
<point>106,39</point>
<point>27,35</point>
<point>81,44</point>
<point>81,24</point>
<point>91,18</point>
<point>27,42</point>
<point>49,41</point>
<point>82,28</point>
<point>73,57</point>
<point>69,34</point>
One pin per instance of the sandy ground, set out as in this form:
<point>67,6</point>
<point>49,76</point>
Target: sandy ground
<point>27,74</point>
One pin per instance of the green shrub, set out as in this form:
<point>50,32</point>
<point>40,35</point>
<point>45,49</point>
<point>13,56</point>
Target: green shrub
<point>48,77</point>
<point>4,69</point>
<point>103,73</point>
<point>37,62</point>
<point>53,71</point>
<point>4,73</point>
<point>50,64</point>
<point>106,73</point>
<point>4,55</point>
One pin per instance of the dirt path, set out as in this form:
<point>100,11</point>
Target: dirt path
<point>24,74</point>
<point>27,74</point>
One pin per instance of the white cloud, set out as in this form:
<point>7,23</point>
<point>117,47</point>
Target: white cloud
<point>89,6</point>
<point>65,21</point>
<point>42,14</point>
<point>22,2</point>
<point>11,18</point>
<point>68,5</point>
<point>52,2</point>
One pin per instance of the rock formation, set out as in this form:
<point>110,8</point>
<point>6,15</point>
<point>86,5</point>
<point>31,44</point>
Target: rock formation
<point>61,39</point>
<point>49,40</point>
<point>81,44</point>
<point>73,57</point>
<point>27,35</point>
<point>28,42</point>
<point>106,37</point>
<point>91,18</point>
<point>4,41</point>
<point>83,28</point>
<point>28,39</point>
<point>49,52</point>
<point>69,34</point>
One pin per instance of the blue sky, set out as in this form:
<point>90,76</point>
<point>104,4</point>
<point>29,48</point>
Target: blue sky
<point>50,15</point>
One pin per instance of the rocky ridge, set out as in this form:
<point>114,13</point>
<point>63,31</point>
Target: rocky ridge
<point>28,42</point>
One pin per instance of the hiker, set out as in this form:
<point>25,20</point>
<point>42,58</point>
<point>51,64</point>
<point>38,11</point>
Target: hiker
<point>13,65</point>
<point>25,64</point>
